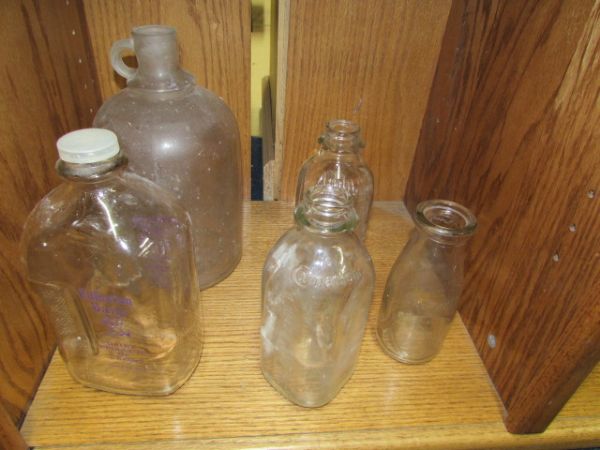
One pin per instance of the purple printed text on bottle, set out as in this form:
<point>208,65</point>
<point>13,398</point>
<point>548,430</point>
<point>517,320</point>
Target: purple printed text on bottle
<point>124,352</point>
<point>111,309</point>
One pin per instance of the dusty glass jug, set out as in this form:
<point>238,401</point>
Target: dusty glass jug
<point>317,288</point>
<point>184,138</point>
<point>110,254</point>
<point>338,162</point>
<point>424,285</point>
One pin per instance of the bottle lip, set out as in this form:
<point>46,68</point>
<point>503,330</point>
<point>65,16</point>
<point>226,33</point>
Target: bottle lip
<point>445,219</point>
<point>342,135</point>
<point>153,30</point>
<point>342,127</point>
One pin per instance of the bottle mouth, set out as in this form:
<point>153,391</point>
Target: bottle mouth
<point>340,134</point>
<point>153,30</point>
<point>342,127</point>
<point>445,219</point>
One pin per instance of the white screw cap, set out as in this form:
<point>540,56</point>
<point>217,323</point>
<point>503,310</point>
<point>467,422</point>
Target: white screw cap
<point>88,145</point>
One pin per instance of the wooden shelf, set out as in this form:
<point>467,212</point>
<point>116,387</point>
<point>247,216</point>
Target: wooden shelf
<point>447,403</point>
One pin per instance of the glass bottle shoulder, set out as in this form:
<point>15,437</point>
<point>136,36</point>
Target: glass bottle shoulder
<point>193,102</point>
<point>343,163</point>
<point>172,127</point>
<point>349,175</point>
<point>116,212</point>
<point>301,247</point>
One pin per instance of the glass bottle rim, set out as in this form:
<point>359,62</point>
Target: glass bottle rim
<point>342,134</point>
<point>445,219</point>
<point>153,30</point>
<point>342,127</point>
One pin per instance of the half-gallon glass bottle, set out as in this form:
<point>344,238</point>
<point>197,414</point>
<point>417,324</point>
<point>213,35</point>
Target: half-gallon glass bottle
<point>317,287</point>
<point>110,254</point>
<point>424,285</point>
<point>338,162</point>
<point>185,139</point>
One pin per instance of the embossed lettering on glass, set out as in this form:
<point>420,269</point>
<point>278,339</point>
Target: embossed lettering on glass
<point>317,288</point>
<point>338,162</point>
<point>424,285</point>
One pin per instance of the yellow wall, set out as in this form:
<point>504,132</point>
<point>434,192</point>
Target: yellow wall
<point>260,57</point>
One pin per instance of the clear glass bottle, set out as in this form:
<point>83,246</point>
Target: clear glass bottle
<point>110,254</point>
<point>338,162</point>
<point>424,285</point>
<point>317,288</point>
<point>184,138</point>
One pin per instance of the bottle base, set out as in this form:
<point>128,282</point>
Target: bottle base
<point>403,356</point>
<point>161,391</point>
<point>297,401</point>
<point>205,284</point>
<point>168,390</point>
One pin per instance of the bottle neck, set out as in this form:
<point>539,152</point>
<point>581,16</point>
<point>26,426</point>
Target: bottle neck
<point>158,60</point>
<point>91,172</point>
<point>342,137</point>
<point>326,210</point>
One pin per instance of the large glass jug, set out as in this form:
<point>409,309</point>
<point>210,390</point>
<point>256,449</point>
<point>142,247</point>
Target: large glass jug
<point>110,255</point>
<point>184,138</point>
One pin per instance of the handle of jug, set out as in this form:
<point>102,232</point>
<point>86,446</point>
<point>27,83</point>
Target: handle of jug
<point>116,59</point>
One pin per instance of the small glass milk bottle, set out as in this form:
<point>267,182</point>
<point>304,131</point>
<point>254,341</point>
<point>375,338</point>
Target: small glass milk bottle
<point>424,285</point>
<point>110,254</point>
<point>317,288</point>
<point>338,162</point>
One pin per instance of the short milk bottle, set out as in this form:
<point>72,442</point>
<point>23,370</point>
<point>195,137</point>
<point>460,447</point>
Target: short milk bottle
<point>423,288</point>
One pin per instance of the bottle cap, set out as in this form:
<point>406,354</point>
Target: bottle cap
<point>88,145</point>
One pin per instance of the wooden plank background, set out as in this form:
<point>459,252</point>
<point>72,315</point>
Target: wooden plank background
<point>45,61</point>
<point>10,437</point>
<point>371,62</point>
<point>512,130</point>
<point>214,40</point>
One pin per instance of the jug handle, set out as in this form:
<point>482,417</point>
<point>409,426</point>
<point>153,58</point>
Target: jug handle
<point>116,60</point>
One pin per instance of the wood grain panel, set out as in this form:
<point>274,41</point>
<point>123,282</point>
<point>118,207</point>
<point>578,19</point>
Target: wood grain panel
<point>227,404</point>
<point>46,89</point>
<point>371,62</point>
<point>10,438</point>
<point>214,41</point>
<point>512,130</point>
<point>273,144</point>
